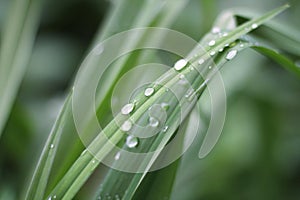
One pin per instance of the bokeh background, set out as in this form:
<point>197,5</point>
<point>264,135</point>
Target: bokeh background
<point>258,154</point>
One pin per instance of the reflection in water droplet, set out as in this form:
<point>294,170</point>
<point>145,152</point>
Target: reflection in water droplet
<point>231,54</point>
<point>201,61</point>
<point>153,122</point>
<point>254,26</point>
<point>165,129</point>
<point>128,108</point>
<point>126,126</point>
<point>117,156</point>
<point>149,91</point>
<point>211,43</point>
<point>180,64</point>
<point>131,141</point>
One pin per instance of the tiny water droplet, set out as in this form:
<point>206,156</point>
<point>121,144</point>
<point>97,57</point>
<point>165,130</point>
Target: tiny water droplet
<point>126,126</point>
<point>93,161</point>
<point>148,92</point>
<point>221,50</point>
<point>180,64</point>
<point>201,61</point>
<point>128,108</point>
<point>117,156</point>
<point>209,67</point>
<point>117,197</point>
<point>131,141</point>
<point>165,129</point>
<point>50,198</point>
<point>51,146</point>
<point>224,34</point>
<point>153,122</point>
<point>54,197</point>
<point>211,43</point>
<point>212,53</point>
<point>231,54</point>
<point>191,68</point>
<point>182,80</point>
<point>226,45</point>
<point>215,30</point>
<point>189,93</point>
<point>241,45</point>
<point>254,26</point>
<point>165,106</point>
<point>181,76</point>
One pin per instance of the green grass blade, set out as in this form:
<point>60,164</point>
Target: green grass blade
<point>16,45</point>
<point>37,186</point>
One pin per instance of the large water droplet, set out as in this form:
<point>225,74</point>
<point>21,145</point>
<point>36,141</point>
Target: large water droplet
<point>201,61</point>
<point>211,43</point>
<point>117,156</point>
<point>132,141</point>
<point>254,26</point>
<point>231,54</point>
<point>126,126</point>
<point>149,91</point>
<point>128,108</point>
<point>180,64</point>
<point>153,122</point>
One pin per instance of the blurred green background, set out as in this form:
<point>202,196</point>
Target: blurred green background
<point>258,154</point>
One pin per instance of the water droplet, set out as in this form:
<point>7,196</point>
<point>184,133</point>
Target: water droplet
<point>191,68</point>
<point>51,146</point>
<point>221,50</point>
<point>128,108</point>
<point>254,26</point>
<point>180,64</point>
<point>165,106</point>
<point>215,30</point>
<point>182,81</point>
<point>211,43</point>
<point>93,161</point>
<point>117,197</point>
<point>189,93</point>
<point>241,45</point>
<point>226,45</point>
<point>231,54</point>
<point>209,67</point>
<point>54,197</point>
<point>117,156</point>
<point>149,91</point>
<point>181,76</point>
<point>224,34</point>
<point>153,122</point>
<point>131,141</point>
<point>201,61</point>
<point>165,129</point>
<point>212,53</point>
<point>126,126</point>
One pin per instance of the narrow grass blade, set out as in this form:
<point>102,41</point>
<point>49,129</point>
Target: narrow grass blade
<point>16,45</point>
<point>37,186</point>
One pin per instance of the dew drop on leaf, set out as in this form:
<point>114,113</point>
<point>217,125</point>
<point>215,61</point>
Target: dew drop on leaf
<point>231,54</point>
<point>165,129</point>
<point>216,30</point>
<point>201,61</point>
<point>126,126</point>
<point>131,141</point>
<point>117,156</point>
<point>148,92</point>
<point>212,43</point>
<point>51,146</point>
<point>180,64</point>
<point>128,108</point>
<point>212,53</point>
<point>254,26</point>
